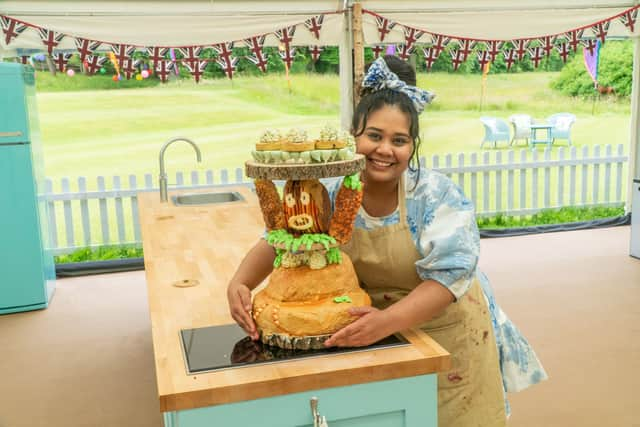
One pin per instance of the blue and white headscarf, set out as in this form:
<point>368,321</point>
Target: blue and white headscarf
<point>381,77</point>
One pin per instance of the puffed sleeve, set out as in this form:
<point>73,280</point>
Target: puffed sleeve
<point>448,237</point>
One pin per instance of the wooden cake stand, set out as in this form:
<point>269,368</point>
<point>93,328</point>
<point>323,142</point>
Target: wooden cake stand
<point>300,171</point>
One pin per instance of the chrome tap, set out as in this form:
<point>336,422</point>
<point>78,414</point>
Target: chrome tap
<point>163,173</point>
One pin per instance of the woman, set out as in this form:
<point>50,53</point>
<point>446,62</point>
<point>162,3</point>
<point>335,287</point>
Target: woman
<point>415,249</point>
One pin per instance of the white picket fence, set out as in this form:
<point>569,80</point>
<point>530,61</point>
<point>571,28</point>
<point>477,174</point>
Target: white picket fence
<point>508,182</point>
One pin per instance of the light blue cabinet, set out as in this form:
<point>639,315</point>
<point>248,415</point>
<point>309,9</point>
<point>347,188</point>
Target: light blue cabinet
<point>404,402</point>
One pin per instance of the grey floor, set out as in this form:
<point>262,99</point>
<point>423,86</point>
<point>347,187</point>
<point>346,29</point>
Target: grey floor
<point>87,360</point>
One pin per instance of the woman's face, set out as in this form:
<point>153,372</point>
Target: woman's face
<point>387,145</point>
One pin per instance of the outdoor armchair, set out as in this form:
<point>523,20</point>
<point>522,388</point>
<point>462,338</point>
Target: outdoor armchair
<point>561,126</point>
<point>521,127</point>
<point>495,130</point>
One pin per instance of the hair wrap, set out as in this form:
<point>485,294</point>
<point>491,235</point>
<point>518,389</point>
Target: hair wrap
<point>381,77</point>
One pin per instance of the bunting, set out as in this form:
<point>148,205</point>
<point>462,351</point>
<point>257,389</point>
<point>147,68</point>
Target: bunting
<point>61,60</point>
<point>484,57</point>
<point>196,68</point>
<point>510,57</point>
<point>129,67</point>
<point>548,43</point>
<point>590,45</point>
<point>600,30</point>
<point>190,54</point>
<point>573,38</point>
<point>536,54</point>
<point>315,52</point>
<point>156,55</point>
<point>163,69</point>
<point>377,49</point>
<point>225,59</point>
<point>563,51</point>
<point>122,52</point>
<point>11,28</point>
<point>257,57</point>
<point>286,52</point>
<point>50,39</point>
<point>86,47</point>
<point>410,37</point>
<point>384,27</point>
<point>93,63</point>
<point>314,25</point>
<point>628,19</point>
<point>520,47</point>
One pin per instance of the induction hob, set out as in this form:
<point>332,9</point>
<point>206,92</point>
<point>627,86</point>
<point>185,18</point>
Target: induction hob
<point>215,348</point>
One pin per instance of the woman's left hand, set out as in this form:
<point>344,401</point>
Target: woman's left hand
<point>372,326</point>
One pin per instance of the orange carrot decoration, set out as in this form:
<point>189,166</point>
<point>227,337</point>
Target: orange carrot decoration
<point>348,202</point>
<point>270,204</point>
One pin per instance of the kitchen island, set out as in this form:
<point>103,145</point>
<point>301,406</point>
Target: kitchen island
<point>191,252</point>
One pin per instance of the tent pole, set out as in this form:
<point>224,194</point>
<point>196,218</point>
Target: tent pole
<point>634,135</point>
<point>346,67</point>
<point>358,53</point>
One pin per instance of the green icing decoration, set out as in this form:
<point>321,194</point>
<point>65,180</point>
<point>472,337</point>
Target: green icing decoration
<point>352,182</point>
<point>344,298</point>
<point>334,256</point>
<point>276,237</point>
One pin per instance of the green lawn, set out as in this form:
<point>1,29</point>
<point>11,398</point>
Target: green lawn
<point>119,132</point>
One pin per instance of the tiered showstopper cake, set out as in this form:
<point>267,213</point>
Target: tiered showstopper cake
<point>313,283</point>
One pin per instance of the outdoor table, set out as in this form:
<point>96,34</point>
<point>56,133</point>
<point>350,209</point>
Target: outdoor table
<point>536,138</point>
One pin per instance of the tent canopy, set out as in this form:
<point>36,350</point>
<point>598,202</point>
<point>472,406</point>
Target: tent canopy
<point>169,23</point>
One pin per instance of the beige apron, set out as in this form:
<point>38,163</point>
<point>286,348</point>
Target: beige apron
<point>470,394</point>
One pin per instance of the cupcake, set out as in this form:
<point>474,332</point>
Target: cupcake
<point>296,141</point>
<point>329,139</point>
<point>270,140</point>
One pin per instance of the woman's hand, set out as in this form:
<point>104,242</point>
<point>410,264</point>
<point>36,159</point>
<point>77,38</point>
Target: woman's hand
<point>239,299</point>
<point>372,326</point>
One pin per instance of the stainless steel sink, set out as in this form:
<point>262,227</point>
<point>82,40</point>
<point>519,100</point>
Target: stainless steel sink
<point>206,198</point>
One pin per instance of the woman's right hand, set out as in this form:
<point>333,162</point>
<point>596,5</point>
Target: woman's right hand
<point>239,299</point>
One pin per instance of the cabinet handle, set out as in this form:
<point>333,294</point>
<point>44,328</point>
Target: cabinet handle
<point>18,133</point>
<point>318,420</point>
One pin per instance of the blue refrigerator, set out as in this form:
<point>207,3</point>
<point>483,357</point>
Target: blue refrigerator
<point>27,271</point>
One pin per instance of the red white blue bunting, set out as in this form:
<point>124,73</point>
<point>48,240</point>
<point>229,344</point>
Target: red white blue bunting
<point>257,56</point>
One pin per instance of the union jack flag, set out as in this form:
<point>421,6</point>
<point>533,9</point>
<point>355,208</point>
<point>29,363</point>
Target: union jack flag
<point>439,43</point>
<point>122,52</point>
<point>494,47</point>
<point>24,59</point>
<point>93,63</point>
<point>573,38</point>
<point>563,50</point>
<point>600,30</point>
<point>196,68</point>
<point>536,55</point>
<point>411,35</point>
<point>86,47</point>
<point>547,44</point>
<point>520,47</point>
<point>226,60</point>
<point>285,36</point>
<point>590,45</point>
<point>510,57</point>
<point>314,25</point>
<point>190,54</point>
<point>61,60</point>
<point>430,56</point>
<point>384,27</point>
<point>50,38</point>
<point>315,52</point>
<point>163,69</point>
<point>11,28</point>
<point>484,57</point>
<point>629,19</point>
<point>257,56</point>
<point>458,56</point>
<point>377,49</point>
<point>129,67</point>
<point>156,54</point>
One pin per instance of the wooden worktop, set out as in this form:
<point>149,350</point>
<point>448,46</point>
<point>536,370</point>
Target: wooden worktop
<point>205,244</point>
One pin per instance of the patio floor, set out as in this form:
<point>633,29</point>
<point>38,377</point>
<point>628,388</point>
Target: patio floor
<point>87,360</point>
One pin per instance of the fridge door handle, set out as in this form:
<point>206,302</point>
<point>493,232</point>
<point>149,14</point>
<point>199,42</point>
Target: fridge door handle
<point>17,133</point>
